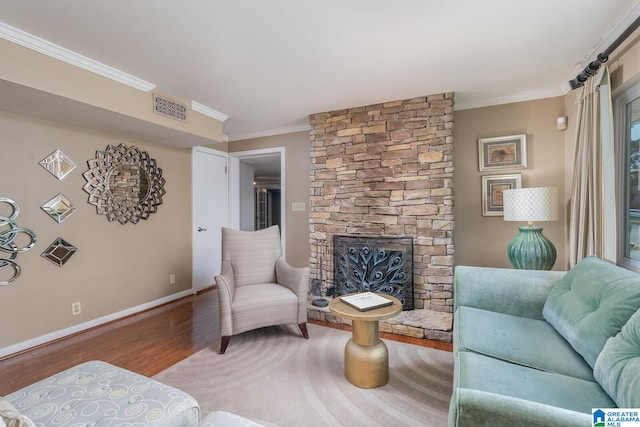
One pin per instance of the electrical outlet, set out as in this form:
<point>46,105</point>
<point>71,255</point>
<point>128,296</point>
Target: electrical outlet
<point>76,308</point>
<point>172,279</point>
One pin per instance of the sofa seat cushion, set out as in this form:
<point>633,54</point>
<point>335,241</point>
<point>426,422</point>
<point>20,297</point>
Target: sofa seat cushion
<point>97,393</point>
<point>528,342</point>
<point>591,303</point>
<point>618,365</point>
<point>252,305</point>
<point>497,377</point>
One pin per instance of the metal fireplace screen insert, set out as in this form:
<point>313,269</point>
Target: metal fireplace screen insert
<point>377,264</point>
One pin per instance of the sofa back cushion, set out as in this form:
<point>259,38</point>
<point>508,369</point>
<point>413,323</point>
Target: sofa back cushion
<point>617,367</point>
<point>591,303</point>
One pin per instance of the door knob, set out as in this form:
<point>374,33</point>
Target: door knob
<point>202,229</point>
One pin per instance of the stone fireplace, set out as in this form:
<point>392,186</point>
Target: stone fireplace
<point>386,170</point>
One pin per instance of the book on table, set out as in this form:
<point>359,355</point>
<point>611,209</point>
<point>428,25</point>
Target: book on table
<point>366,301</point>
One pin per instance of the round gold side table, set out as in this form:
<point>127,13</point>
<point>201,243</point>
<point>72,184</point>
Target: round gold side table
<point>366,358</point>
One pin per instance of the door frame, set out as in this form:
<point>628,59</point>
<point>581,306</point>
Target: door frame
<point>234,187</point>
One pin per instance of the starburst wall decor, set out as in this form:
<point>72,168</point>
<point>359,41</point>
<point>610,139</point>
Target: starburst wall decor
<point>124,184</point>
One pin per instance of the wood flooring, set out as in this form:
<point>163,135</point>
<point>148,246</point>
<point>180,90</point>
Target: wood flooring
<point>146,343</point>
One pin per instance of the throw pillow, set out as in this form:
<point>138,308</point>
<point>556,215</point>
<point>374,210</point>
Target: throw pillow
<point>618,366</point>
<point>10,416</point>
<point>591,303</point>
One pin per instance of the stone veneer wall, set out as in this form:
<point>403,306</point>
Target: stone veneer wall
<point>387,170</point>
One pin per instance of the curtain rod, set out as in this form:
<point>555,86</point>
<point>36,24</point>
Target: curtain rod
<point>603,57</point>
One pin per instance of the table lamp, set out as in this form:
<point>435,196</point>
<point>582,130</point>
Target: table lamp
<point>530,249</point>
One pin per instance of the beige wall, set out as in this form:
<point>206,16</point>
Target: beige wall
<point>624,63</point>
<point>117,267</point>
<point>483,240</point>
<point>297,158</point>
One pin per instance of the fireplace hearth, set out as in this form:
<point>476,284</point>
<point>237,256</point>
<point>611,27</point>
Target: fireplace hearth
<point>374,264</point>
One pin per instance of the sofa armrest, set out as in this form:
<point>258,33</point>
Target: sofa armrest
<point>517,292</point>
<point>225,284</point>
<point>296,279</point>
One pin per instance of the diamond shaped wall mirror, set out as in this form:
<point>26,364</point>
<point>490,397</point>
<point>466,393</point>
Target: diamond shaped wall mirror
<point>58,164</point>
<point>59,208</point>
<point>59,252</point>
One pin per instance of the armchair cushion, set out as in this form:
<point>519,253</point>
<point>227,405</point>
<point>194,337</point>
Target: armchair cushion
<point>591,303</point>
<point>266,304</point>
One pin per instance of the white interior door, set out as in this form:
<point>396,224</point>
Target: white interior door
<point>210,213</point>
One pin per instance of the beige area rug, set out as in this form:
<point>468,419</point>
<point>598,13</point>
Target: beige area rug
<point>275,377</point>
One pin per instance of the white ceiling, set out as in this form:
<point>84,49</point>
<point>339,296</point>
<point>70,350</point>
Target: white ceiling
<point>269,64</point>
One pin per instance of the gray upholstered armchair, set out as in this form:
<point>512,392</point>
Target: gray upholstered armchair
<point>256,287</point>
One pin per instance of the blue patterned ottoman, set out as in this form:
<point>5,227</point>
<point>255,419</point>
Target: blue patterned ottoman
<point>99,394</point>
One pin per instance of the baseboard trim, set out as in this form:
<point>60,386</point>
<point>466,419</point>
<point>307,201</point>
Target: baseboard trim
<point>53,336</point>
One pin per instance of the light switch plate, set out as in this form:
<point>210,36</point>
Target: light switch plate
<point>298,206</point>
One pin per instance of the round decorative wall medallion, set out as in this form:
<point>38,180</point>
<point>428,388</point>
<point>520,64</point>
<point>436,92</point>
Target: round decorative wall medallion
<point>124,184</point>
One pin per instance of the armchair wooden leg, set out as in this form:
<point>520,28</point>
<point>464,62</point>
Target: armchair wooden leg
<point>224,342</point>
<point>303,329</point>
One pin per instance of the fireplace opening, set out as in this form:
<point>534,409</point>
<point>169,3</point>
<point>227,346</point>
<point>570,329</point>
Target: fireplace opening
<point>374,264</point>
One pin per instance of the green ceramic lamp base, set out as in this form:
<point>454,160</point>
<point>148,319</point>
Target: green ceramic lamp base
<point>530,250</point>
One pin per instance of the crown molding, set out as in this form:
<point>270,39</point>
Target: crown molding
<point>271,132</point>
<point>521,97</point>
<point>32,42</point>
<point>208,111</point>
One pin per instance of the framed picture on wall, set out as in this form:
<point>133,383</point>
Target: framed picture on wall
<point>502,152</point>
<point>492,188</point>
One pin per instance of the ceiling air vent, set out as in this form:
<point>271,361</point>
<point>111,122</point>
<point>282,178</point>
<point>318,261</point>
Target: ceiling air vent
<point>169,108</point>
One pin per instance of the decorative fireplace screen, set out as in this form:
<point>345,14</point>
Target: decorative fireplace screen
<point>376,264</point>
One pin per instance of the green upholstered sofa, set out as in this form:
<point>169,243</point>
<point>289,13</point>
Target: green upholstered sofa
<point>544,348</point>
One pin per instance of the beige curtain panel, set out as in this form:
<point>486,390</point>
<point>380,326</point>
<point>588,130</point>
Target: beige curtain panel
<point>586,212</point>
